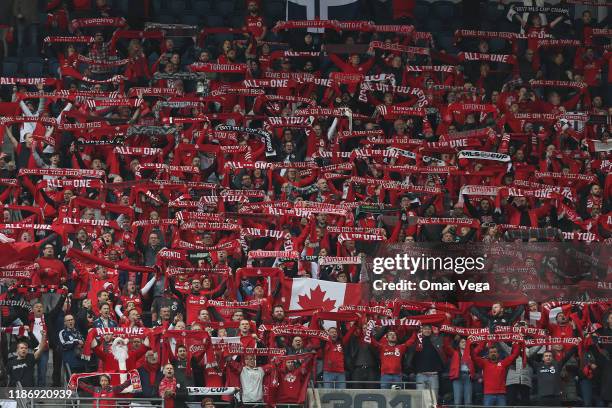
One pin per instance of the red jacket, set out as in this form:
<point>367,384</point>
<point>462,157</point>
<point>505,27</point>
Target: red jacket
<point>455,365</point>
<point>494,373</point>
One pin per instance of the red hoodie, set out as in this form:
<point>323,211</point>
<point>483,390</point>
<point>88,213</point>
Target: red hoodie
<point>494,373</point>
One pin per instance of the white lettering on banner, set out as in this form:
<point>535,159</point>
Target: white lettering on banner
<point>380,398</point>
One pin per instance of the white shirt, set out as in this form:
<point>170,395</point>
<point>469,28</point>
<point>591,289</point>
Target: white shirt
<point>251,380</point>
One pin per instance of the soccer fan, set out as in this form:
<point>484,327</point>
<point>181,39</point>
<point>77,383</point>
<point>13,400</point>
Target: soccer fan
<point>494,372</point>
<point>196,184</point>
<point>391,354</point>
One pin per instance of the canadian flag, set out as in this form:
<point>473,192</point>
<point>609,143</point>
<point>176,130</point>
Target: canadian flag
<point>306,293</point>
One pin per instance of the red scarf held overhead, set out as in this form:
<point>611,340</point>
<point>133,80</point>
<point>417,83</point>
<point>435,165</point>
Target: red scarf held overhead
<point>293,330</point>
<point>124,332</point>
<point>134,378</point>
<point>69,39</point>
<point>99,22</point>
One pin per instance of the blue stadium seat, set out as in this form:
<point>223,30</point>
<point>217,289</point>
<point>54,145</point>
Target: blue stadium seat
<point>274,11</point>
<point>10,69</point>
<point>225,7</point>
<point>122,6</point>
<point>34,69</point>
<point>492,12</point>
<point>159,6</point>
<point>166,19</point>
<point>219,38</point>
<point>421,11</point>
<point>187,59</point>
<point>178,8</point>
<point>201,8</point>
<point>54,67</point>
<point>434,25</point>
<point>444,10</point>
<point>214,21</point>
<point>237,21</point>
<point>191,19</point>
<point>487,25</point>
<point>446,42</point>
<point>497,45</point>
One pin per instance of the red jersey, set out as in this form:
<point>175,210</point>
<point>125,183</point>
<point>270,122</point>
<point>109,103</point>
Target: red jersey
<point>391,356</point>
<point>255,25</point>
<point>213,375</point>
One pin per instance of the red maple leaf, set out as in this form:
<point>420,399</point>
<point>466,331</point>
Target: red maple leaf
<point>316,300</point>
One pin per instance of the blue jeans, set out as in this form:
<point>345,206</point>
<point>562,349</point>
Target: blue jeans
<point>427,381</point>
<point>491,400</point>
<point>334,380</point>
<point>462,390</point>
<point>387,380</point>
<point>41,369</point>
<point>588,397</point>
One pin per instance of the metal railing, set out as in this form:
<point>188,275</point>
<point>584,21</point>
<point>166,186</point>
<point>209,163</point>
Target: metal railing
<point>76,401</point>
<point>502,406</point>
<point>402,384</point>
<point>86,402</point>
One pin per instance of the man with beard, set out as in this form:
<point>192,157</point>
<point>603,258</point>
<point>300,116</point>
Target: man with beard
<point>519,213</point>
<point>150,374</point>
<point>497,315</point>
<point>494,373</point>
<point>182,366</point>
<point>484,211</point>
<point>254,22</point>
<point>563,328</point>
<point>117,356</point>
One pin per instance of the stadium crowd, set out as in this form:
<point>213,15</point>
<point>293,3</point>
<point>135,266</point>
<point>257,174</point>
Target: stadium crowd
<point>168,188</point>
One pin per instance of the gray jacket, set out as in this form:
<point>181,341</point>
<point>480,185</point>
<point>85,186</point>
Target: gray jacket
<point>517,374</point>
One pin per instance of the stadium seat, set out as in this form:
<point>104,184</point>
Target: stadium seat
<point>178,8</point>
<point>187,59</point>
<point>219,38</point>
<point>444,10</point>
<point>497,45</point>
<point>421,11</point>
<point>159,6</point>
<point>10,69</point>
<point>166,19</point>
<point>224,7</point>
<point>434,25</point>
<point>190,19</point>
<point>122,6</point>
<point>237,21</point>
<point>214,21</point>
<point>493,12</point>
<point>34,69</point>
<point>201,8</point>
<point>53,68</point>
<point>446,42</point>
